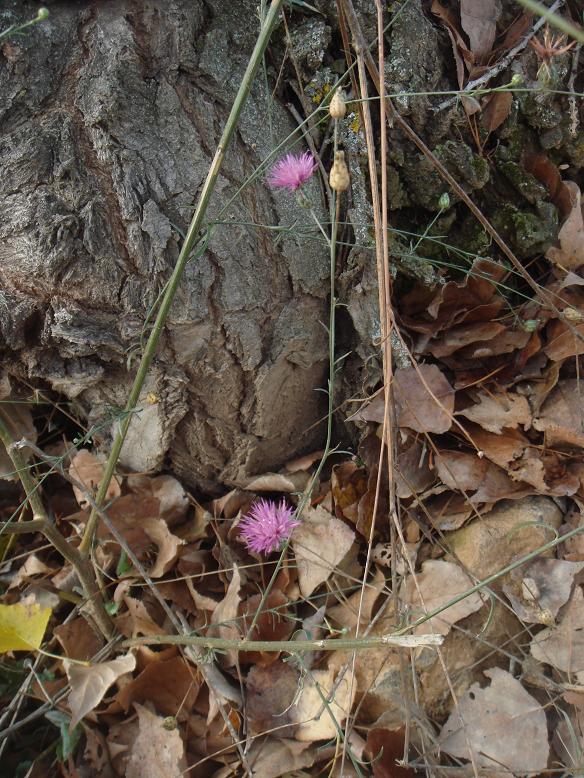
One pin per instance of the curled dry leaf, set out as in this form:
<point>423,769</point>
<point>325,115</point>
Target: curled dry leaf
<point>345,614</point>
<point>136,621</point>
<point>224,617</point>
<point>272,758</point>
<point>78,639</point>
<point>305,712</point>
<point>562,647</point>
<point>564,339</point>
<point>169,492</point>
<point>503,724</point>
<point>271,691</point>
<point>157,752</point>
<point>561,415</point>
<point>495,412</point>
<point>319,544</point>
<point>479,21</point>
<point>170,685</point>
<point>31,567</point>
<point>438,583</point>
<point>424,399</point>
<point>89,684</point>
<point>287,483</point>
<point>87,468</point>
<point>538,591</point>
<point>570,254</point>
<point>496,109</point>
<point>273,623</point>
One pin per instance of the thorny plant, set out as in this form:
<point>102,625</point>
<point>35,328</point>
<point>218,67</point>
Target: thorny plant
<point>195,241</point>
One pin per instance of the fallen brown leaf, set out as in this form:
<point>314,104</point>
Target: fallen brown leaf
<point>319,544</point>
<point>496,109</point>
<point>78,639</point>
<point>170,685</point>
<point>562,647</point>
<point>538,591</point>
<point>424,399</point>
<point>89,684</point>
<point>271,758</point>
<point>479,21</point>
<point>570,254</point>
<point>305,712</point>
<point>87,468</point>
<point>438,583</point>
<point>157,752</point>
<point>504,726</point>
<point>495,412</point>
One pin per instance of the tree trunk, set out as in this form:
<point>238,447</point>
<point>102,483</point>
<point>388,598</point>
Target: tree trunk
<point>110,116</point>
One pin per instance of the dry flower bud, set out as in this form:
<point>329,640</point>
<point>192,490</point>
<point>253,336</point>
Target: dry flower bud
<point>572,314</point>
<point>337,105</point>
<point>339,176</point>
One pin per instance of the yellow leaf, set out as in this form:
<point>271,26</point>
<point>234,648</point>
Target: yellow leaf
<point>22,627</point>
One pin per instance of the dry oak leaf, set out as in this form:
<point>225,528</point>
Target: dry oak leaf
<point>319,544</point>
<point>479,21</point>
<point>78,639</point>
<point>170,685</point>
<point>89,684</point>
<point>424,399</point>
<point>438,583</point>
<point>495,412</point>
<point>538,591</point>
<point>503,724</point>
<point>272,758</point>
<point>157,752</point>
<point>22,626</point>
<point>87,468</point>
<point>562,415</point>
<point>224,617</point>
<point>305,712</point>
<point>167,544</point>
<point>562,647</point>
<point>169,492</point>
<point>570,254</point>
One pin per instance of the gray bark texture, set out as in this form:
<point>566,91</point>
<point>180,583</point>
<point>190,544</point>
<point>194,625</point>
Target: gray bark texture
<point>110,113</point>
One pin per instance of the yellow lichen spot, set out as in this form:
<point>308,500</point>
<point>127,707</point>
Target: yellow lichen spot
<point>355,124</point>
<point>151,398</point>
<point>321,93</point>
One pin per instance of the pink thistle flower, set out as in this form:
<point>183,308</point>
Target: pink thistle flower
<point>292,171</point>
<point>267,526</point>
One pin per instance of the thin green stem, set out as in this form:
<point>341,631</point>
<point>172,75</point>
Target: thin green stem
<point>492,578</point>
<point>330,411</point>
<point>192,238</point>
<point>31,488</point>
<point>554,19</point>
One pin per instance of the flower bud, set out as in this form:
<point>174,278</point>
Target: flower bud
<point>572,314</point>
<point>339,175</point>
<point>444,201</point>
<point>517,79</point>
<point>337,105</point>
<point>530,325</point>
<point>42,13</point>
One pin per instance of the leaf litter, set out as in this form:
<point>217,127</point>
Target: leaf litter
<point>489,441</point>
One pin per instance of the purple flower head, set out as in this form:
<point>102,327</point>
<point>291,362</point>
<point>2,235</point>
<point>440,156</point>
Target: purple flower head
<point>267,526</point>
<point>292,171</point>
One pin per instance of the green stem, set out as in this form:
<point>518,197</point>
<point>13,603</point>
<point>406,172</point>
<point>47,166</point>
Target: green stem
<point>31,488</point>
<point>554,19</point>
<point>288,646</point>
<point>330,411</point>
<point>192,237</point>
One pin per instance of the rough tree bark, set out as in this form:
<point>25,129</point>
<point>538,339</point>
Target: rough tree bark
<point>110,113</point>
